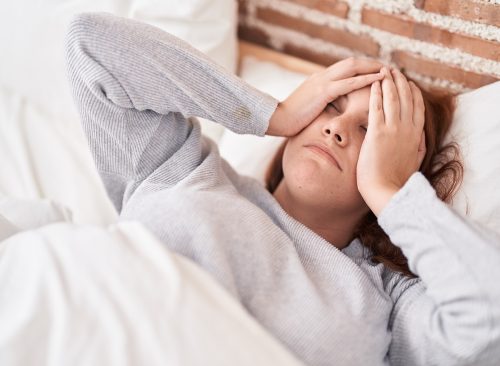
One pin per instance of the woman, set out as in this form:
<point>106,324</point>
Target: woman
<point>138,89</point>
<point>344,122</point>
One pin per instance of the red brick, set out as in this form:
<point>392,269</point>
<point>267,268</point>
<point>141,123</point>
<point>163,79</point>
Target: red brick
<point>406,26</point>
<point>309,55</point>
<point>474,11</point>
<point>242,7</point>
<point>253,35</point>
<point>261,38</point>
<point>435,69</point>
<point>339,37</point>
<point>333,7</point>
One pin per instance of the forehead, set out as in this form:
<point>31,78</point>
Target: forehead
<point>358,99</point>
<point>360,95</point>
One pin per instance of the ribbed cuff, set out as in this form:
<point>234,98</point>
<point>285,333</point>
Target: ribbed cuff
<point>407,203</point>
<point>265,110</point>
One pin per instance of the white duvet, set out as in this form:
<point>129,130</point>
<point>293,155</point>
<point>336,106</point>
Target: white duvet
<point>86,295</point>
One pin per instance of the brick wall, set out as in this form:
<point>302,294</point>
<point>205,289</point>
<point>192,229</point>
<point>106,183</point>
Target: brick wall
<point>452,45</point>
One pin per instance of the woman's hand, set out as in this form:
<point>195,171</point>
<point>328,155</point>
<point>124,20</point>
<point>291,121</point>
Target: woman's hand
<point>394,145</point>
<point>307,102</point>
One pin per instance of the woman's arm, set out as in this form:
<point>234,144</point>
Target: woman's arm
<point>451,316</point>
<point>135,85</point>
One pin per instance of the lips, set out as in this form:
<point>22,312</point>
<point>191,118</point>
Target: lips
<point>325,151</point>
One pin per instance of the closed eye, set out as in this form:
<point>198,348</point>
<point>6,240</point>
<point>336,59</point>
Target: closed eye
<point>334,107</point>
<point>364,128</point>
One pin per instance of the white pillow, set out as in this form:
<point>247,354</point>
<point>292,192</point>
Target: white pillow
<point>476,128</point>
<point>32,40</point>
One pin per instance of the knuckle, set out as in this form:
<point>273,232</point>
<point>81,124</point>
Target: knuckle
<point>322,89</point>
<point>350,61</point>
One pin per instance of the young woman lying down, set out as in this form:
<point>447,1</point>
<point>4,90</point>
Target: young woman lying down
<point>349,256</point>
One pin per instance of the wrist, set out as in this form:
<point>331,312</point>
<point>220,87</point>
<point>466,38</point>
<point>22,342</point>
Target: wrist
<point>380,197</point>
<point>276,122</point>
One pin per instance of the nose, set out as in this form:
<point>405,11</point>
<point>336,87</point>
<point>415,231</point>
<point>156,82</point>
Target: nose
<point>338,131</point>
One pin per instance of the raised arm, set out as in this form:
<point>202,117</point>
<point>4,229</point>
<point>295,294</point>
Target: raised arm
<point>452,315</point>
<point>136,86</point>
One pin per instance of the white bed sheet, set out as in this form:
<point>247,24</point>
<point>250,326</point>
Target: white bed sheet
<point>47,158</point>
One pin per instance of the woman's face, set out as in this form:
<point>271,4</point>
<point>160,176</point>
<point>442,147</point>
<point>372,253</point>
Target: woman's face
<point>313,177</point>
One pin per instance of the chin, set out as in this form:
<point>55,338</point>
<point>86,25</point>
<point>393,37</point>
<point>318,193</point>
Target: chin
<point>311,173</point>
<point>307,182</point>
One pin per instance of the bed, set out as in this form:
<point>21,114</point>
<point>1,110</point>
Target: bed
<point>77,288</point>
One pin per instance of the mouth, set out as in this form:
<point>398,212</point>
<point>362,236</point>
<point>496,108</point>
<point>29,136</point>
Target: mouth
<point>325,152</point>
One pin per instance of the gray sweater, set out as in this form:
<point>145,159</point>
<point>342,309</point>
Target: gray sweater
<point>139,90</point>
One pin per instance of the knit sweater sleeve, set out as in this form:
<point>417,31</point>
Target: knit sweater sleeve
<point>136,88</point>
<point>451,314</point>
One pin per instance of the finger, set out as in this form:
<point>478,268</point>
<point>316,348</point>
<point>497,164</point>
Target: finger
<point>422,149</point>
<point>405,97</point>
<point>375,111</point>
<point>345,86</point>
<point>418,106</point>
<point>352,66</point>
<point>390,99</point>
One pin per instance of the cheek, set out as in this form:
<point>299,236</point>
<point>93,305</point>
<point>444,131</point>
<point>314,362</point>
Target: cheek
<point>308,173</point>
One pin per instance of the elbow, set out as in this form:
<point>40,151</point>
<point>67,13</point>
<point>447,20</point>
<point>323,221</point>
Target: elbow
<point>74,41</point>
<point>78,25</point>
<point>84,30</point>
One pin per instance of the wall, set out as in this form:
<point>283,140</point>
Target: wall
<point>452,45</point>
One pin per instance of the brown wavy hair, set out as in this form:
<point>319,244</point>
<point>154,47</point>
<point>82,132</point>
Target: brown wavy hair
<point>442,166</point>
